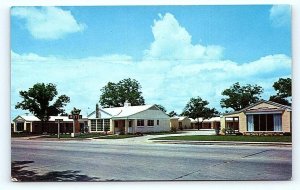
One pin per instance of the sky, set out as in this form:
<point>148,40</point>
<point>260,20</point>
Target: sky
<point>175,52</point>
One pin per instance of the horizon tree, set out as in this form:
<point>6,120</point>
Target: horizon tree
<point>196,108</point>
<point>162,108</point>
<point>284,91</point>
<point>172,114</point>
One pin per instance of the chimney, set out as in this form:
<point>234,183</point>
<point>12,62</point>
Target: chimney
<point>97,111</point>
<point>127,104</point>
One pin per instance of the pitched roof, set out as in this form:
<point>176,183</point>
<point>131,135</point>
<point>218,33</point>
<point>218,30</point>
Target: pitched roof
<point>64,118</point>
<point>282,107</point>
<point>126,111</point>
<point>212,119</point>
<point>180,118</point>
<point>28,117</point>
<point>32,118</point>
<point>120,112</point>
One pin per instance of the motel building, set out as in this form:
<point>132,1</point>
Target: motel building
<point>128,119</point>
<point>263,117</point>
<point>32,124</point>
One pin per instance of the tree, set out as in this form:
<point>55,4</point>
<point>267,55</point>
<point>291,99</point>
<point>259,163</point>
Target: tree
<point>162,108</point>
<point>172,114</point>
<point>284,91</point>
<point>37,100</point>
<point>115,94</point>
<point>197,108</point>
<point>75,111</point>
<point>240,97</point>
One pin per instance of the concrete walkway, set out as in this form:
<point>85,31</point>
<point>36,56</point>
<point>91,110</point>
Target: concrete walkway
<point>145,139</point>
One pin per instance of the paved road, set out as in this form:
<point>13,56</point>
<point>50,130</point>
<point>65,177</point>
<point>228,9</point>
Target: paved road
<point>35,160</point>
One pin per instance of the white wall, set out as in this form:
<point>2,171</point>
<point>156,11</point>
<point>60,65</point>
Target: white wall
<point>164,121</point>
<point>164,125</point>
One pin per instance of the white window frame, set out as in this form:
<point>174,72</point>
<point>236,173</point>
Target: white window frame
<point>150,123</point>
<point>139,122</point>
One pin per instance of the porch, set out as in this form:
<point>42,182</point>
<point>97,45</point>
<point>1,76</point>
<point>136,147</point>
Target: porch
<point>232,125</point>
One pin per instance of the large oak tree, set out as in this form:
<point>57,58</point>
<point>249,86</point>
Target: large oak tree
<point>39,100</point>
<point>116,94</point>
<point>239,97</point>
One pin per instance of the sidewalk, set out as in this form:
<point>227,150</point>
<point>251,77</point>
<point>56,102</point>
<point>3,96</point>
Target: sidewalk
<point>223,143</point>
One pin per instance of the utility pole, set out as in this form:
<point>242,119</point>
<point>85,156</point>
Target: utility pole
<point>58,126</point>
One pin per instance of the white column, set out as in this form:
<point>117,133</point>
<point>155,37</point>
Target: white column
<point>126,126</point>
<point>112,126</point>
<point>103,125</point>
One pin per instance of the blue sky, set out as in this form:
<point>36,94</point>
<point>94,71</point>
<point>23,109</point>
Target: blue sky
<point>175,52</point>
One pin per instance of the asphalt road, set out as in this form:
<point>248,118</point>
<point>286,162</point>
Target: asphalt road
<point>35,160</point>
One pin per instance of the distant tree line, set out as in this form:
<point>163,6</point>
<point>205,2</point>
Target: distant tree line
<point>39,99</point>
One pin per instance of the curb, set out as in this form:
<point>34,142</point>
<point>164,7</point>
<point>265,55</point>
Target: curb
<point>223,143</point>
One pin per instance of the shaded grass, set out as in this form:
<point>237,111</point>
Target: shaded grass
<point>14,135</point>
<point>228,138</point>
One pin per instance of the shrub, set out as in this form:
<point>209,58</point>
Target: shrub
<point>217,130</point>
<point>224,131</point>
<point>139,134</point>
<point>173,129</point>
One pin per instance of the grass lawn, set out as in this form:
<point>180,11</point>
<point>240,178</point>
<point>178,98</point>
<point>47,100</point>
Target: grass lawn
<point>81,136</point>
<point>116,136</point>
<point>21,135</point>
<point>161,133</point>
<point>228,138</point>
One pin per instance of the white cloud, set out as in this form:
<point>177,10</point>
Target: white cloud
<point>47,22</point>
<point>173,42</point>
<point>280,15</point>
<point>166,80</point>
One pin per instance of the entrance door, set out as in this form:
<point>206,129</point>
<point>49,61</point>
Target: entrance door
<point>28,127</point>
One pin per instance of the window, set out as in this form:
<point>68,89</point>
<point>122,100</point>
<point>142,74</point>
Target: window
<point>256,122</point>
<point>140,122</point>
<point>106,124</point>
<point>20,126</point>
<point>264,122</point>
<point>93,125</point>
<point>150,123</point>
<point>157,122</point>
<point>180,124</point>
<point>130,123</point>
<point>270,122</point>
<point>99,124</point>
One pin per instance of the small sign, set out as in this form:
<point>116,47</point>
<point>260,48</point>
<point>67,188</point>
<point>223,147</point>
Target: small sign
<point>75,117</point>
<point>59,120</point>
